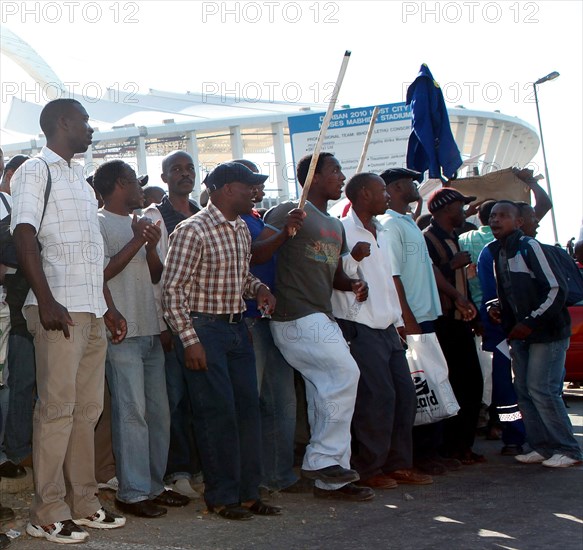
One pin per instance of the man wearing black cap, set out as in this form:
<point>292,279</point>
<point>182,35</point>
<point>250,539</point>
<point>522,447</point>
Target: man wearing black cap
<point>205,281</point>
<point>453,331</point>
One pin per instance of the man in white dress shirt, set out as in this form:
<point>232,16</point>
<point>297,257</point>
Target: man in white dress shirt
<point>65,312</point>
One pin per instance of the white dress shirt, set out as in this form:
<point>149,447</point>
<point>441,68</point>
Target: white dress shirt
<point>382,307</point>
<point>72,246</point>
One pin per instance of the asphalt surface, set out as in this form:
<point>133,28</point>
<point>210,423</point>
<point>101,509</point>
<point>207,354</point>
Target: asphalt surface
<point>497,504</point>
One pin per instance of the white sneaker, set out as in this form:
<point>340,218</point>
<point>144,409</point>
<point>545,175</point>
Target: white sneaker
<point>560,461</point>
<point>183,487</point>
<point>112,484</point>
<point>102,519</point>
<point>531,458</point>
<point>62,532</point>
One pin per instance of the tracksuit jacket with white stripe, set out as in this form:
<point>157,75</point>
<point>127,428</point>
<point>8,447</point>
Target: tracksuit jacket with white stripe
<point>537,289</point>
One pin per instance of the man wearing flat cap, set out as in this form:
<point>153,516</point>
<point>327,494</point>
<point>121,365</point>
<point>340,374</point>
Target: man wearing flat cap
<point>453,329</point>
<point>205,282</point>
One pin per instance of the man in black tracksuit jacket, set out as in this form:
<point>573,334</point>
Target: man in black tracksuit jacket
<point>532,310</point>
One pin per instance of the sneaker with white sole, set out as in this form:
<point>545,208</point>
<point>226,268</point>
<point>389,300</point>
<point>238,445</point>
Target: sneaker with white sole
<point>531,458</point>
<point>102,519</point>
<point>112,484</point>
<point>183,487</point>
<point>561,461</point>
<point>62,532</point>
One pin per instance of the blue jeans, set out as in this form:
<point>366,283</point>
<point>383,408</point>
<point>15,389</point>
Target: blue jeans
<point>140,417</point>
<point>183,460</point>
<point>277,402</point>
<point>22,384</point>
<point>4,398</point>
<point>538,381</point>
<point>225,405</point>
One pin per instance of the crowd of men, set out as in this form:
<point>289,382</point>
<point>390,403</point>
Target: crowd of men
<point>202,335</point>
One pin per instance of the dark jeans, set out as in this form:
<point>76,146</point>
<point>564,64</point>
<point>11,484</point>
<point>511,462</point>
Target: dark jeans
<point>427,438</point>
<point>277,400</point>
<point>505,400</point>
<point>457,342</point>
<point>183,459</point>
<point>22,384</point>
<point>225,407</point>
<point>386,403</point>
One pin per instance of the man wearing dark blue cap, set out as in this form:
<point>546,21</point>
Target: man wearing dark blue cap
<point>206,279</point>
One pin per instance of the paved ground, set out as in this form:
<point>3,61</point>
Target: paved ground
<point>499,504</point>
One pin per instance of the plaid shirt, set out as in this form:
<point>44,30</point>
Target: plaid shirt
<point>206,270</point>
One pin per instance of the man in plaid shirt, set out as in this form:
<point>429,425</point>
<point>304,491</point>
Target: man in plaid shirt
<point>205,282</point>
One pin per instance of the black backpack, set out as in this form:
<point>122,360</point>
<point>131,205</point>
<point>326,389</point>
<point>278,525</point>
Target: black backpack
<point>569,270</point>
<point>7,247</point>
<point>16,285</point>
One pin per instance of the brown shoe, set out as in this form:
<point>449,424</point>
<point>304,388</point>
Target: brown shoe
<point>410,477</point>
<point>380,481</point>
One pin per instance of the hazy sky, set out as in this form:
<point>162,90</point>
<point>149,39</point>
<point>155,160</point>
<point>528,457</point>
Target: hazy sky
<point>485,55</point>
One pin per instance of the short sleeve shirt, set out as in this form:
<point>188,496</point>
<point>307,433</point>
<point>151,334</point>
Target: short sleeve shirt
<point>411,262</point>
<point>72,247</point>
<point>131,289</point>
<point>306,263</point>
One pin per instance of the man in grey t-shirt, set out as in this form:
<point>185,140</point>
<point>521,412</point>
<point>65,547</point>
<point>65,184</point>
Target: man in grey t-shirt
<point>308,267</point>
<point>135,367</point>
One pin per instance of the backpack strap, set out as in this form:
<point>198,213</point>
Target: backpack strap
<point>5,201</point>
<point>47,190</point>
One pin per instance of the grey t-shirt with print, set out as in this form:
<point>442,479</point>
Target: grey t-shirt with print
<point>306,263</point>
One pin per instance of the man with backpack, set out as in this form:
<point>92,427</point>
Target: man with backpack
<point>65,312</point>
<point>531,306</point>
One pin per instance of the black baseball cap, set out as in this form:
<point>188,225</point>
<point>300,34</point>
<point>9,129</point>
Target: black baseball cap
<point>229,172</point>
<point>396,174</point>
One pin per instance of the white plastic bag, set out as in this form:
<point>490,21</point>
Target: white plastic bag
<point>435,397</point>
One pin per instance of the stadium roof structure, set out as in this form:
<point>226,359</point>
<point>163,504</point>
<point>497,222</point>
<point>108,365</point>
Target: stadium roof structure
<point>214,128</point>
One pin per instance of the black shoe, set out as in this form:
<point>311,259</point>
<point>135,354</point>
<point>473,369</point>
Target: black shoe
<point>348,492</point>
<point>9,469</point>
<point>431,467</point>
<point>452,464</point>
<point>302,485</point>
<point>6,513</point>
<point>232,511</point>
<point>332,474</point>
<point>142,509</point>
<point>171,498</point>
<point>4,540</point>
<point>259,508</point>
<point>511,450</point>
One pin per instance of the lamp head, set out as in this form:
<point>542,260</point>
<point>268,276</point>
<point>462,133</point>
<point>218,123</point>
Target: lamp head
<point>550,76</point>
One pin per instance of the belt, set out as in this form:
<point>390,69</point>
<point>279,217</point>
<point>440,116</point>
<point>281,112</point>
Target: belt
<point>231,318</point>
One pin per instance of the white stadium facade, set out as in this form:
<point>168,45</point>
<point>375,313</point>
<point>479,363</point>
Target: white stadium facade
<point>143,128</point>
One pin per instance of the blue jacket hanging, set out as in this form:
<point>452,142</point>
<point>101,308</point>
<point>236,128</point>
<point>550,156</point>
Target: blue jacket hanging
<point>431,144</point>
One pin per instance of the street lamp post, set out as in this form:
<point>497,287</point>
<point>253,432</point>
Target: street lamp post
<point>550,76</point>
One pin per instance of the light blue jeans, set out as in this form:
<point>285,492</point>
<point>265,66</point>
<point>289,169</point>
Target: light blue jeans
<point>140,416</point>
<point>538,381</point>
<point>277,401</point>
